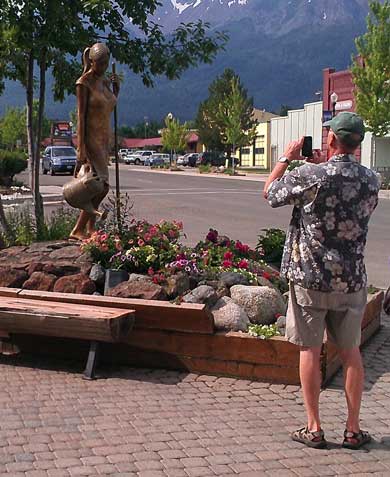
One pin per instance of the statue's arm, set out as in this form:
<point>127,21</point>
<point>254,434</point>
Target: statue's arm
<point>82,106</point>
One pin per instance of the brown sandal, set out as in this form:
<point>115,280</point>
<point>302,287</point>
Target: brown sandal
<point>314,439</point>
<point>355,440</point>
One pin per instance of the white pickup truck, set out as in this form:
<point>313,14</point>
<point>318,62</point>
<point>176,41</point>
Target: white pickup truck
<point>138,157</point>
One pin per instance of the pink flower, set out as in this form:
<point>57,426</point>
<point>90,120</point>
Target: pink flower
<point>141,243</point>
<point>227,264</point>
<point>153,230</point>
<point>150,271</point>
<point>148,237</point>
<point>171,233</point>
<point>243,264</point>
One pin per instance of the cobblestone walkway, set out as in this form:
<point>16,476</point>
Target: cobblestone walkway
<point>167,424</point>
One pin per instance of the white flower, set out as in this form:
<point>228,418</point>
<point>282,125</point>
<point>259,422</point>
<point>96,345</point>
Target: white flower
<point>331,201</point>
<point>348,230</point>
<point>350,191</point>
<point>281,194</point>
<point>330,169</point>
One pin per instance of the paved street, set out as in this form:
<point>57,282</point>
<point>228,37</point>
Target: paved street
<point>234,207</point>
<point>152,423</point>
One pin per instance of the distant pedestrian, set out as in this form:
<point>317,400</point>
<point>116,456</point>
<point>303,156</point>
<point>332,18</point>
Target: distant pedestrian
<point>324,263</point>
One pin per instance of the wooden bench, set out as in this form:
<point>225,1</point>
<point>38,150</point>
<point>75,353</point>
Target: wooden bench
<point>20,315</point>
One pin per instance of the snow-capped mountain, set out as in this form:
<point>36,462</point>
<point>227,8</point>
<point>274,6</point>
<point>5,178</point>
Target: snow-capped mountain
<point>278,47</point>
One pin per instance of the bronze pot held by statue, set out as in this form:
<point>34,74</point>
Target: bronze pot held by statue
<point>81,190</point>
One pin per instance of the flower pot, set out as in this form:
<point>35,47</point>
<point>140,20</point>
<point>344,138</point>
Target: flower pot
<point>113,278</point>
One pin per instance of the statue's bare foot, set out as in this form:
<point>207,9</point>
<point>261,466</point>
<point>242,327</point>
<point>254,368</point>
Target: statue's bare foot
<point>79,236</point>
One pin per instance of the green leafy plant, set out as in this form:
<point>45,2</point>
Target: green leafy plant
<point>263,332</point>
<point>271,244</point>
<point>11,163</point>
<point>204,168</point>
<point>294,164</point>
<point>60,224</point>
<point>22,225</point>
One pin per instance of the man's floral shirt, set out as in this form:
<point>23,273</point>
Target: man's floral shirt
<point>325,243</point>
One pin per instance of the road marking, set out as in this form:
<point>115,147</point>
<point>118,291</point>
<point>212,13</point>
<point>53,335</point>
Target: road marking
<point>190,189</point>
<point>195,193</point>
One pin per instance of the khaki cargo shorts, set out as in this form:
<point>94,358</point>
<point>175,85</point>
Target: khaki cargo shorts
<point>310,312</point>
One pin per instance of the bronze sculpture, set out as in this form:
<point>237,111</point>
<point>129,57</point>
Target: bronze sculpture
<point>95,103</point>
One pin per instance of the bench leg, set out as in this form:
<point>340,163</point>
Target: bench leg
<point>89,372</point>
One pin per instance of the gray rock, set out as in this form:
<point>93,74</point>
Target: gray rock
<point>177,284</point>
<point>228,316</point>
<point>260,303</point>
<point>97,274</point>
<point>136,277</point>
<point>230,279</point>
<point>281,324</point>
<point>202,294</point>
<point>96,293</point>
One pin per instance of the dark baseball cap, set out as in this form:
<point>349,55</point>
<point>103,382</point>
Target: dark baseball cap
<point>349,127</point>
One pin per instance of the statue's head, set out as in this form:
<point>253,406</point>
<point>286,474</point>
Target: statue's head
<point>96,58</point>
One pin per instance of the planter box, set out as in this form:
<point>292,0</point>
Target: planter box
<point>182,337</point>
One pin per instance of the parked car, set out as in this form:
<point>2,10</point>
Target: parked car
<point>214,158</point>
<point>157,160</point>
<point>138,157</point>
<point>190,159</point>
<point>59,159</point>
<point>122,153</point>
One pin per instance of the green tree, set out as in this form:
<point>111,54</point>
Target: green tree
<point>284,109</point>
<point>209,120</point>
<point>371,70</point>
<point>13,127</point>
<point>231,115</point>
<point>52,33</point>
<point>174,135</point>
<point>142,129</point>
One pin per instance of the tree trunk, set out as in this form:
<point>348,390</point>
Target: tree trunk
<point>38,202</point>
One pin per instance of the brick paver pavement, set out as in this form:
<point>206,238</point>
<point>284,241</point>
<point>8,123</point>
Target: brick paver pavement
<point>152,423</point>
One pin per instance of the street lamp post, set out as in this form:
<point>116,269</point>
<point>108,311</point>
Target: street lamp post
<point>334,98</point>
<point>169,118</point>
<point>146,124</point>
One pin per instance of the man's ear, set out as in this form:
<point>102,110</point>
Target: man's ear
<point>332,140</point>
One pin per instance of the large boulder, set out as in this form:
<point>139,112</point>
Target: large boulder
<point>261,304</point>
<point>40,281</point>
<point>228,316</point>
<point>78,283</point>
<point>229,279</point>
<point>12,278</point>
<point>72,252</point>
<point>143,289</point>
<point>202,294</point>
<point>177,284</point>
<point>98,274</point>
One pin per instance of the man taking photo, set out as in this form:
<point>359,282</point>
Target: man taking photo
<point>324,262</point>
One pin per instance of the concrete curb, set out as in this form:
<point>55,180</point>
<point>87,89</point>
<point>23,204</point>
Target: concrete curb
<point>47,199</point>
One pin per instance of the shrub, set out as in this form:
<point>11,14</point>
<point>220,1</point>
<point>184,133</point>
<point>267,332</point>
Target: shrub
<point>22,224</point>
<point>60,224</point>
<point>204,168</point>
<point>271,244</point>
<point>11,163</point>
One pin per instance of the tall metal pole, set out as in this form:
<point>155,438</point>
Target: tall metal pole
<point>117,185</point>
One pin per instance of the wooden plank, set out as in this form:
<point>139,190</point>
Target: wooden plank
<point>151,314</point>
<point>39,317</point>
<point>222,346</point>
<point>9,291</point>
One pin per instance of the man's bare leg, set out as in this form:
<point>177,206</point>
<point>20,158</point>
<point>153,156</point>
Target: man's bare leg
<point>96,203</point>
<point>353,385</point>
<point>310,374</point>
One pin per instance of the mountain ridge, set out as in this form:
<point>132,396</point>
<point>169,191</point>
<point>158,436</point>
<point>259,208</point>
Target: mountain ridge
<point>278,47</point>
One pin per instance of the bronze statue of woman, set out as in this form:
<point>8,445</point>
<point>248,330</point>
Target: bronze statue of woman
<point>95,103</point>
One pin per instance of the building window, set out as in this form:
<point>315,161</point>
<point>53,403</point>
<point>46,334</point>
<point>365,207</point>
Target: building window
<point>245,150</point>
<point>259,150</point>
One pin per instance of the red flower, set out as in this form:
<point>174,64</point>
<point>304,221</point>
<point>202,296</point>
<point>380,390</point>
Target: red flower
<point>227,263</point>
<point>277,315</point>
<point>212,236</point>
<point>266,275</point>
<point>243,264</point>
<point>150,271</point>
<point>228,256</point>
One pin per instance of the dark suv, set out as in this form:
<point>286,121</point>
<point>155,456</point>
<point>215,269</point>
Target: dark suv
<point>59,159</point>
<point>214,159</point>
<point>211,157</point>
